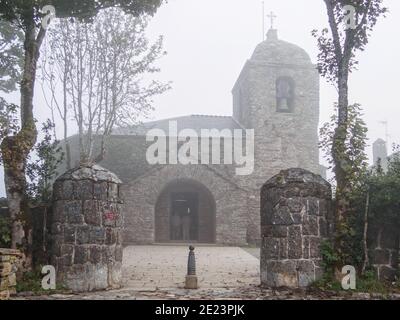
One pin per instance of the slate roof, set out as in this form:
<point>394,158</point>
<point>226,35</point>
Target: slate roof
<point>194,122</point>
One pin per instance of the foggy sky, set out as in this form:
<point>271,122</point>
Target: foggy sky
<point>209,41</point>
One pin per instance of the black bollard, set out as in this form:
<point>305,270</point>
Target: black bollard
<point>191,277</point>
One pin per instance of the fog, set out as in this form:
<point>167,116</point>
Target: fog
<point>209,41</point>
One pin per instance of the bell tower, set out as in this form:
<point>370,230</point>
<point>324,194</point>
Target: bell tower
<point>277,95</point>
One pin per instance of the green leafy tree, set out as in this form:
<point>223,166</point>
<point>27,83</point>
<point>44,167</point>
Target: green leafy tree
<point>356,169</point>
<point>384,195</point>
<point>348,33</point>
<point>42,170</point>
<point>15,148</point>
<point>11,54</point>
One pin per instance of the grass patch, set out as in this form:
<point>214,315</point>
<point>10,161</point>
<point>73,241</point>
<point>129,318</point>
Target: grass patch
<point>32,282</point>
<point>368,283</point>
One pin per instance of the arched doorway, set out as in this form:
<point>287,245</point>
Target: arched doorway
<point>185,211</point>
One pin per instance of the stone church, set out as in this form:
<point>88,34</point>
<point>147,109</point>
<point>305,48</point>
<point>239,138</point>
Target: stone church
<point>277,95</point>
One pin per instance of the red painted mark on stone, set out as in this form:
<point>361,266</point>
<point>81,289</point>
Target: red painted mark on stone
<point>111,215</point>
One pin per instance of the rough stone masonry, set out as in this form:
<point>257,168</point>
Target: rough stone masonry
<point>87,229</point>
<point>10,261</point>
<point>295,208</point>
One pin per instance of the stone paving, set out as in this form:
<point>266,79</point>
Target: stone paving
<point>148,267</point>
<point>225,273</point>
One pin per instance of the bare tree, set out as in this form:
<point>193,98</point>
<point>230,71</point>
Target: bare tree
<point>101,69</point>
<point>55,65</point>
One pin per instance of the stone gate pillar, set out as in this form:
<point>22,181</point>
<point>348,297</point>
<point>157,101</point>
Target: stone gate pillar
<point>294,211</point>
<point>86,230</point>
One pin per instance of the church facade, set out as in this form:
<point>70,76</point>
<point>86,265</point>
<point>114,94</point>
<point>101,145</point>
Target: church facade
<point>276,95</point>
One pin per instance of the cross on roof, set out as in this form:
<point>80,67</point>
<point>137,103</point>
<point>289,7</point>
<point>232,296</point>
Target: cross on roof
<point>272,16</point>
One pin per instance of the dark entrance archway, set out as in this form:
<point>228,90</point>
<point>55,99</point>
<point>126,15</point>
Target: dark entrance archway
<point>185,211</point>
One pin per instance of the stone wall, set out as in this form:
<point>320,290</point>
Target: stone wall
<point>384,246</point>
<point>295,208</point>
<point>232,215</point>
<point>10,261</point>
<point>86,232</point>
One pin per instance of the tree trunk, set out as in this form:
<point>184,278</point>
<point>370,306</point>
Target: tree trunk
<point>65,118</point>
<point>339,158</point>
<point>16,149</point>
<point>365,245</point>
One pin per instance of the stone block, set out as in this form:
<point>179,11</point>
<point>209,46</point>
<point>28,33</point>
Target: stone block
<point>306,272</point>
<point>111,236</point>
<point>69,234</point>
<point>110,253</point>
<point>107,254</point>
<point>380,257</point>
<point>4,284</point>
<point>81,254</point>
<point>83,235</point>
<point>100,191</point>
<point>291,191</point>
<point>283,248</point>
<point>97,235</point>
<point>313,206</point>
<point>95,254</point>
<point>73,212</point>
<point>120,218</point>
<point>271,248</point>
<point>115,274</point>
<point>76,279</point>
<point>295,205</point>
<point>4,295</point>
<point>281,216</point>
<point>266,213</point>
<point>272,196</point>
<point>110,219</point>
<point>92,212</point>
<point>57,228</point>
<point>310,226</point>
<point>279,274</point>
<point>5,269</point>
<point>66,249</point>
<point>295,244</point>
<point>83,190</point>
<point>274,231</point>
<point>58,214</point>
<point>297,218</point>
<point>65,260</point>
<point>4,258</point>
<point>323,228</point>
<point>68,189</point>
<point>113,192</point>
<point>306,248</point>
<point>266,231</point>
<point>315,250</point>
<point>100,276</point>
<point>387,273</point>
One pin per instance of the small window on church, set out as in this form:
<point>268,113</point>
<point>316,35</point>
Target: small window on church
<point>285,94</point>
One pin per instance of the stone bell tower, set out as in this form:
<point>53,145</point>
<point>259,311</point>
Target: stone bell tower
<point>277,95</point>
